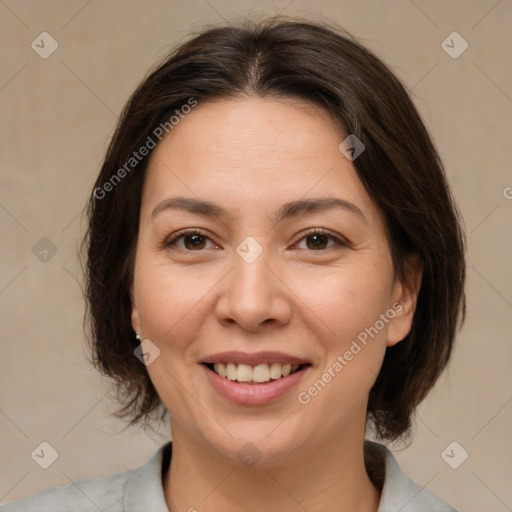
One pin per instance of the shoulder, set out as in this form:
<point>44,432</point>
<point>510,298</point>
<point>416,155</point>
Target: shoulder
<point>401,493</point>
<point>104,493</point>
<point>115,493</point>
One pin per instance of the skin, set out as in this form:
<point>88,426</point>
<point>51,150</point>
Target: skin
<point>250,156</point>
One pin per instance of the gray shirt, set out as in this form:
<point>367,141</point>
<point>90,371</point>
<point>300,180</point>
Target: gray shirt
<point>141,490</point>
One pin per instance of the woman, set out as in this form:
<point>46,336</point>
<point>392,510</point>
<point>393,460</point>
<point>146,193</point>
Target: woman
<point>274,258</point>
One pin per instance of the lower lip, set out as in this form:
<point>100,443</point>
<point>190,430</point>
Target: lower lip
<point>253,394</point>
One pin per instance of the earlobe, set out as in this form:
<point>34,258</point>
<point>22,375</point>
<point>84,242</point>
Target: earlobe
<point>135,319</point>
<point>405,297</point>
<point>135,314</point>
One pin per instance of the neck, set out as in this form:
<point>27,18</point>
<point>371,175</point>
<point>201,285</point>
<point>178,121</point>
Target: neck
<point>329,476</point>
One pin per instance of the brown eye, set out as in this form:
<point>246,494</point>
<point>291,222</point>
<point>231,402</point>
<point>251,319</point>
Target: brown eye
<point>318,240</point>
<point>192,241</point>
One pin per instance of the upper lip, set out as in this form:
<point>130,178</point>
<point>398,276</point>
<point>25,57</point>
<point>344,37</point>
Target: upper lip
<point>254,359</point>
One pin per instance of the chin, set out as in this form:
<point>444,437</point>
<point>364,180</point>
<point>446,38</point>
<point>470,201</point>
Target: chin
<point>260,444</point>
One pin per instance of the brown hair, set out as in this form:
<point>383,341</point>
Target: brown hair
<point>400,169</point>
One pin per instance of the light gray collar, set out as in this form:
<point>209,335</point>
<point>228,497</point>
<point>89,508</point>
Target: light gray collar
<point>144,487</point>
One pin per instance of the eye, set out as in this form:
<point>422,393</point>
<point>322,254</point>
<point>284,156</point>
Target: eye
<point>319,239</point>
<point>196,240</point>
<point>193,240</point>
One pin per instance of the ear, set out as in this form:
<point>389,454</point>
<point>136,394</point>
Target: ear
<point>135,314</point>
<point>404,300</point>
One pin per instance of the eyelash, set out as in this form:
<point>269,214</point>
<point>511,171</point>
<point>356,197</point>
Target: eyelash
<point>318,231</point>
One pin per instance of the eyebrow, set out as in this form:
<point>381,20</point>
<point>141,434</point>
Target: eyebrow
<point>286,211</point>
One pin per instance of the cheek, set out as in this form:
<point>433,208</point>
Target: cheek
<point>170,305</point>
<point>350,300</point>
<point>166,300</point>
<point>348,307</point>
<point>353,346</point>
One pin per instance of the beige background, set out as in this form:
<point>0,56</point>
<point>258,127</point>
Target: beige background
<point>56,117</point>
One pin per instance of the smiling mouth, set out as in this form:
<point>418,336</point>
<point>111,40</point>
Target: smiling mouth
<point>259,374</point>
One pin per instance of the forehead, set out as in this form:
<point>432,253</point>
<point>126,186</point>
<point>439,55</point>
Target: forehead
<point>237,130</point>
<point>252,151</point>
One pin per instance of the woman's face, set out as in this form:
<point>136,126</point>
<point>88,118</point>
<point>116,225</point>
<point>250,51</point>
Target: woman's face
<point>256,287</point>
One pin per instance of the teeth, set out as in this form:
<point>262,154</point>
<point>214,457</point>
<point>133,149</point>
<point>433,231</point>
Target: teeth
<point>244,373</point>
<point>261,373</point>
<point>231,371</point>
<point>275,371</point>
<point>258,373</point>
<point>220,369</point>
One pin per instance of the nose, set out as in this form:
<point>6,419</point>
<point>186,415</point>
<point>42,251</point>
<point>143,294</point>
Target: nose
<point>254,295</point>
